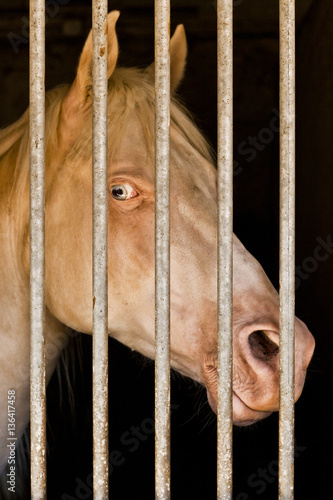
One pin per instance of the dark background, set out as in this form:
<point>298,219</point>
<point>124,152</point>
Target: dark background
<point>256,195</point>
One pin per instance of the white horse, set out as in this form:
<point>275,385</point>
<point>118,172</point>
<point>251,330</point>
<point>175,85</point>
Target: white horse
<point>131,245</point>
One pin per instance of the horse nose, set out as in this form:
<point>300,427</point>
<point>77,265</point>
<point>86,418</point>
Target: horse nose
<point>256,353</point>
<point>258,366</point>
<point>262,347</point>
<point>256,369</point>
<point>304,348</point>
<point>304,342</point>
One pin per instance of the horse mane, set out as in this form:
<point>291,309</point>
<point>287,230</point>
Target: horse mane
<point>11,134</point>
<point>17,130</point>
<point>131,90</point>
<point>14,140</point>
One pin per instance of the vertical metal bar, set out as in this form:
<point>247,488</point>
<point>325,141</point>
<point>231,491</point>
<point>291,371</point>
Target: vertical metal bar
<point>100,252</point>
<point>162,249</point>
<point>225,240</point>
<point>37,252</point>
<point>287,248</point>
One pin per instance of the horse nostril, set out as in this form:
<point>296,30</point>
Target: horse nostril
<point>262,346</point>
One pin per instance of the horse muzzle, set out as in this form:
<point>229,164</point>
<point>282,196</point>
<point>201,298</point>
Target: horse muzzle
<point>256,371</point>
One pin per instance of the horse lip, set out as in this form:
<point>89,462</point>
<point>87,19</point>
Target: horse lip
<point>243,402</point>
<point>213,404</point>
<point>255,414</point>
<point>234,394</point>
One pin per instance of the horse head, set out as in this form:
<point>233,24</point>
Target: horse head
<point>131,238</point>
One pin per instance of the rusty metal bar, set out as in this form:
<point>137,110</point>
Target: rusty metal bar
<point>37,250</point>
<point>100,252</point>
<point>162,249</point>
<point>287,249</point>
<point>225,240</point>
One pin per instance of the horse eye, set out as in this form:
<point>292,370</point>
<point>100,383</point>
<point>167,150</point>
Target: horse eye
<point>123,192</point>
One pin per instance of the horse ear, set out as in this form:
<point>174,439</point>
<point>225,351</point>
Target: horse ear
<point>178,54</point>
<point>77,98</point>
<point>84,71</point>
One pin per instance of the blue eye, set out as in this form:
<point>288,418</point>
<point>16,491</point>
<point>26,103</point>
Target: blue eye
<point>122,192</point>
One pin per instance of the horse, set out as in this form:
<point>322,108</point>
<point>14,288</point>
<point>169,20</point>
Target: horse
<point>193,247</point>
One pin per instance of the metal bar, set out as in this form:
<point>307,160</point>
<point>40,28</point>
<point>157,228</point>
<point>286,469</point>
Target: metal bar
<point>37,250</point>
<point>225,241</point>
<point>287,248</point>
<point>162,249</point>
<point>100,252</point>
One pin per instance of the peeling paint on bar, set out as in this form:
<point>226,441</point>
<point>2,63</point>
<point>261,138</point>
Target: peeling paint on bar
<point>37,250</point>
<point>225,241</point>
<point>100,254</point>
<point>162,249</point>
<point>287,248</point>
